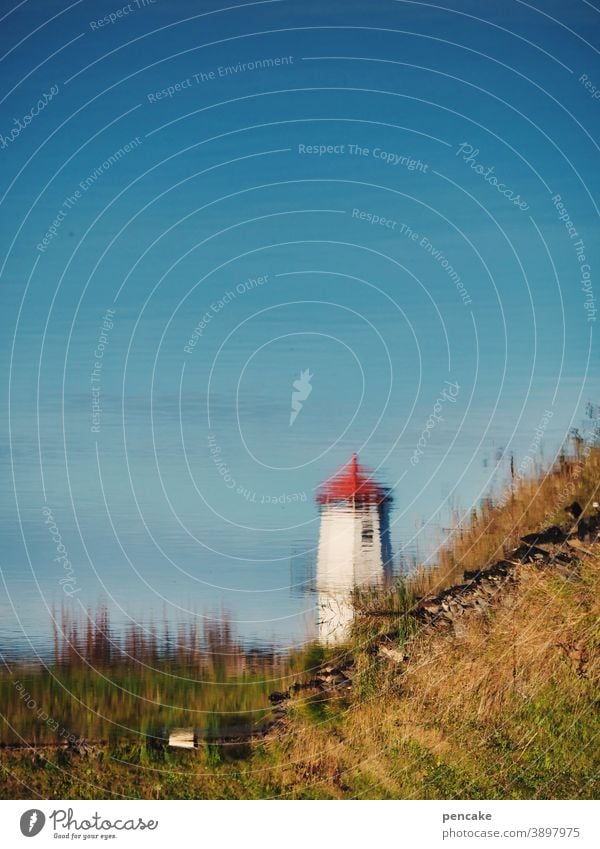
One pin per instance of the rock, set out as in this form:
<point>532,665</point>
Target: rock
<point>431,606</point>
<point>391,653</point>
<point>334,681</point>
<point>341,681</point>
<point>456,608</point>
<point>551,534</point>
<point>576,544</point>
<point>487,587</point>
<point>277,697</point>
<point>460,629</point>
<point>525,554</point>
<point>80,746</point>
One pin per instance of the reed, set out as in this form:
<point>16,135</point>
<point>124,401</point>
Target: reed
<point>102,686</point>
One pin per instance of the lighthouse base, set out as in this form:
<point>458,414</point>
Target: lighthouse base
<point>349,556</point>
<point>335,616</point>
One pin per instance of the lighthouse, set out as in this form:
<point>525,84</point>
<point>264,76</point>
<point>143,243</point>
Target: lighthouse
<point>354,545</point>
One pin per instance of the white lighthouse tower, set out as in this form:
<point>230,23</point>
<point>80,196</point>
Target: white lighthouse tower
<point>354,545</point>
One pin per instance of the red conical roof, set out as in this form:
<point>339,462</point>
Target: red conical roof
<point>352,483</point>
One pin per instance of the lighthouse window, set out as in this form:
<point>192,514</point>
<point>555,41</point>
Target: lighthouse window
<point>367,531</point>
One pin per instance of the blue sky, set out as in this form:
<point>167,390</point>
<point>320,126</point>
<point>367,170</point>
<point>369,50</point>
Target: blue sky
<point>216,190</point>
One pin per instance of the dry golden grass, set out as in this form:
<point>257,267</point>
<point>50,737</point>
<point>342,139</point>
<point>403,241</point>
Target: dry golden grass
<point>544,630</point>
<point>508,707</point>
<point>528,506</point>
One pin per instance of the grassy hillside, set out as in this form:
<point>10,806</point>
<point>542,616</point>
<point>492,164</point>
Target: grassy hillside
<point>504,706</point>
<point>526,504</point>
